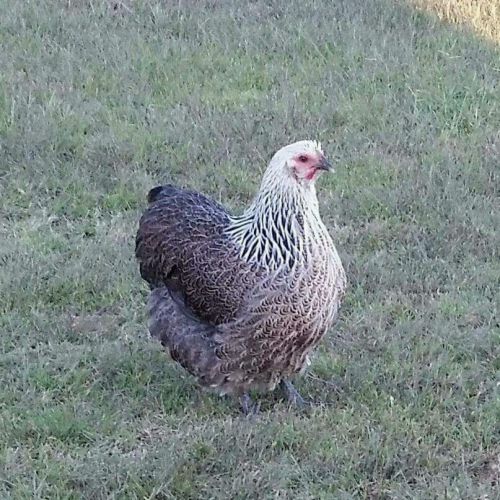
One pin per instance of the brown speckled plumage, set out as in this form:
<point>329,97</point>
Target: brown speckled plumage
<point>240,302</point>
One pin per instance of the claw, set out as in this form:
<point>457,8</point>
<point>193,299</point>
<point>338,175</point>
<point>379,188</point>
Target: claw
<point>248,407</point>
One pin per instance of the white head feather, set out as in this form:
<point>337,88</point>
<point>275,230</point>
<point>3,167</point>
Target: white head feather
<point>288,152</point>
<point>281,172</point>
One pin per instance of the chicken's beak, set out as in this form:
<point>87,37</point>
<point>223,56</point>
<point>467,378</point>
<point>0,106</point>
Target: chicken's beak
<point>324,164</point>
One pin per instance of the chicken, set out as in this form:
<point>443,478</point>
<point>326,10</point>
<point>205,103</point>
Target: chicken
<point>242,301</point>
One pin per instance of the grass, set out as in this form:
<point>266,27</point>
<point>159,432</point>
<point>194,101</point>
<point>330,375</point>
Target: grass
<point>98,104</point>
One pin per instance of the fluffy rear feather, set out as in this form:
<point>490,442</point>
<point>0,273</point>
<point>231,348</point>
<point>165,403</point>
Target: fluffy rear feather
<point>189,341</point>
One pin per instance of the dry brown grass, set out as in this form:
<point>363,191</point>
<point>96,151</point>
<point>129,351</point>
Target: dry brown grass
<point>483,16</point>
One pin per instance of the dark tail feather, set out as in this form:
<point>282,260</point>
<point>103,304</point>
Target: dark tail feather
<point>158,192</point>
<point>189,341</point>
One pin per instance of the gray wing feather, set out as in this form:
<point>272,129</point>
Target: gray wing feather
<point>182,240</point>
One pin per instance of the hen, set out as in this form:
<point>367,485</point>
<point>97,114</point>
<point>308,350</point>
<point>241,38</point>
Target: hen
<point>241,301</point>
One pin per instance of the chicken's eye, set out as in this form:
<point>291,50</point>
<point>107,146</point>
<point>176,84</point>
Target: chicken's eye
<point>303,158</point>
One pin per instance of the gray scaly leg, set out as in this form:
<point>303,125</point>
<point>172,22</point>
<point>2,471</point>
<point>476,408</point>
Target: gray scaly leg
<point>292,394</point>
<point>248,407</point>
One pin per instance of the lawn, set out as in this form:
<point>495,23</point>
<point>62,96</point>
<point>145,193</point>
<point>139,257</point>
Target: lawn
<point>100,103</point>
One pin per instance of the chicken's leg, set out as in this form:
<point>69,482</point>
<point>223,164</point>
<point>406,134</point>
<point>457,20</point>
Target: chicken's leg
<point>248,407</point>
<point>292,394</point>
